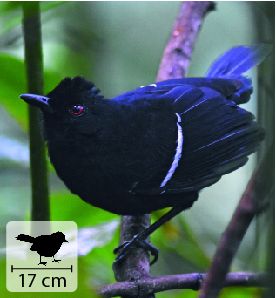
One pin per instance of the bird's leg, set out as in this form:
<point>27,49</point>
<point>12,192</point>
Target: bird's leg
<point>43,263</point>
<point>55,260</point>
<point>139,241</point>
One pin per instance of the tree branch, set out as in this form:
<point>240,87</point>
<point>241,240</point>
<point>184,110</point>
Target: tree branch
<point>174,64</point>
<point>178,51</point>
<point>185,281</point>
<point>253,201</point>
<point>136,265</point>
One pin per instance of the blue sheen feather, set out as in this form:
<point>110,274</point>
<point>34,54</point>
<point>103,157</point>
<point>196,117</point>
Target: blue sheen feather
<point>238,60</point>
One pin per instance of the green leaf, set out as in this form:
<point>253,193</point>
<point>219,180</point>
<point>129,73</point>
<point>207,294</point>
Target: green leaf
<point>241,292</point>
<point>48,5</point>
<point>12,6</point>
<point>191,248</point>
<point>66,206</point>
<point>13,83</point>
<point>176,236</point>
<point>11,12</point>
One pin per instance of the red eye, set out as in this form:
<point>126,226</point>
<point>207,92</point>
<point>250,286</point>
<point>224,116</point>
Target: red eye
<point>77,110</point>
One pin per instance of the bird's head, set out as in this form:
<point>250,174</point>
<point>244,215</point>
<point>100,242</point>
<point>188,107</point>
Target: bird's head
<point>68,106</point>
<point>59,236</point>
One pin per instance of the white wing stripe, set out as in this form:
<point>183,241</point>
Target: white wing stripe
<point>196,105</point>
<point>177,154</point>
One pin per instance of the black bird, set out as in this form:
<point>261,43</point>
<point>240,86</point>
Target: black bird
<point>156,146</point>
<point>45,245</point>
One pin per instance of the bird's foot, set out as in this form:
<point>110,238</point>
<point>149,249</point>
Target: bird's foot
<point>56,260</point>
<point>43,263</point>
<point>136,242</point>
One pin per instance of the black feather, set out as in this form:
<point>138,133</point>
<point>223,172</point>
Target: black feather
<point>149,148</point>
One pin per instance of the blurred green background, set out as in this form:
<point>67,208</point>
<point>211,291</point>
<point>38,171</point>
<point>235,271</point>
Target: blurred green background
<point>119,45</point>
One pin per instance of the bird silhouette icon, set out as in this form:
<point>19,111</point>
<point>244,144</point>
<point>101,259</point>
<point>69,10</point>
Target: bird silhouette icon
<point>45,245</point>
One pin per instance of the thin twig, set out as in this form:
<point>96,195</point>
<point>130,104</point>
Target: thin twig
<point>185,281</point>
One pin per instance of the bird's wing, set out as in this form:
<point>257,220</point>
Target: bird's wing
<point>218,136</point>
<point>214,137</point>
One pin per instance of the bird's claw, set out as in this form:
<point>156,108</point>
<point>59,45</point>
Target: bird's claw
<point>135,243</point>
<point>43,263</point>
<point>56,261</point>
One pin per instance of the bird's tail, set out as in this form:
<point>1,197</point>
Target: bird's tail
<point>25,238</point>
<point>234,63</point>
<point>238,60</point>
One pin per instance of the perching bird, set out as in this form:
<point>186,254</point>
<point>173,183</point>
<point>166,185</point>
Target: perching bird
<point>156,146</point>
<point>45,245</point>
